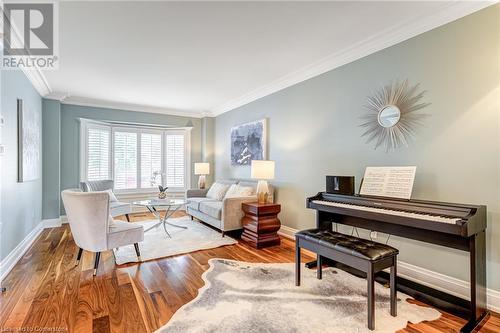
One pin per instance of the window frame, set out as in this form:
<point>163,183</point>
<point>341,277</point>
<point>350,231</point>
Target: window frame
<point>85,124</point>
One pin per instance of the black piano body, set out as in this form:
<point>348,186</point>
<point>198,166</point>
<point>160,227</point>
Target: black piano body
<point>458,226</point>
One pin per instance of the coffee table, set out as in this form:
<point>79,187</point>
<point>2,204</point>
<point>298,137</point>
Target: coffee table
<point>170,206</point>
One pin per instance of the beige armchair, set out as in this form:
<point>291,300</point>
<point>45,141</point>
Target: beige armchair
<point>92,226</point>
<point>116,208</point>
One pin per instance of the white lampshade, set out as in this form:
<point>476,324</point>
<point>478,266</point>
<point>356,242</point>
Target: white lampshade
<point>262,169</point>
<point>202,168</point>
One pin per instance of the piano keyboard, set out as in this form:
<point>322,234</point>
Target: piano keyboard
<point>427,217</point>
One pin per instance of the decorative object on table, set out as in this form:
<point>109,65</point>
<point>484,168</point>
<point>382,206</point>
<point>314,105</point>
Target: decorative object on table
<point>248,142</point>
<point>264,295</point>
<point>262,171</point>
<point>163,192</point>
<point>157,244</point>
<point>201,169</point>
<point>392,117</point>
<point>29,139</point>
<point>261,224</point>
<point>154,178</point>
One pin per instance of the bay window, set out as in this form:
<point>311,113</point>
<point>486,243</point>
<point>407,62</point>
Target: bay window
<point>138,158</point>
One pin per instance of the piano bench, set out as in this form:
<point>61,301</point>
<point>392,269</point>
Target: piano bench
<point>362,254</point>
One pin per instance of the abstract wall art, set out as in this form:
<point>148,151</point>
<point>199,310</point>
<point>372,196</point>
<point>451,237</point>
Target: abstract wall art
<point>29,142</point>
<point>248,142</point>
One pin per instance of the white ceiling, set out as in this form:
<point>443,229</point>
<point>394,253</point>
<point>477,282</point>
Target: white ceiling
<point>204,58</point>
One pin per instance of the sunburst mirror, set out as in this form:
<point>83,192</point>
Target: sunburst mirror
<point>391,119</point>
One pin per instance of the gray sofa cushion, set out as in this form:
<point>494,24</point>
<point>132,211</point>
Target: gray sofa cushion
<point>211,208</point>
<point>194,203</point>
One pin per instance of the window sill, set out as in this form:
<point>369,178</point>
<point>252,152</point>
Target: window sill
<point>136,195</point>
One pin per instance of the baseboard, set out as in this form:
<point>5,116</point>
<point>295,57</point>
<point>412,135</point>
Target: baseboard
<point>427,277</point>
<point>17,253</point>
<point>52,223</point>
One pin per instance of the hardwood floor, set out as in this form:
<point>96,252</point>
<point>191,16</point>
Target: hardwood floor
<point>46,291</point>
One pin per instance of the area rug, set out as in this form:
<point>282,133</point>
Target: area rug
<point>157,244</point>
<point>254,298</point>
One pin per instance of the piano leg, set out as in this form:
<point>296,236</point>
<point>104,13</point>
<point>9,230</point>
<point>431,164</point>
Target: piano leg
<point>478,310</point>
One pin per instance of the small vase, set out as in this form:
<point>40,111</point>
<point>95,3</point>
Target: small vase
<point>162,195</point>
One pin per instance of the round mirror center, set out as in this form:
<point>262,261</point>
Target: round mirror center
<point>389,116</point>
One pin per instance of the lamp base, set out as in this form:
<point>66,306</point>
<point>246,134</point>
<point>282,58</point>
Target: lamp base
<point>201,182</point>
<point>262,191</point>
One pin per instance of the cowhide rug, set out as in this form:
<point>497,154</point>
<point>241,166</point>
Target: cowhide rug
<point>248,297</point>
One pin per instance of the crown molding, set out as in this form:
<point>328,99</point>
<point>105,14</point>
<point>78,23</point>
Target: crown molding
<point>375,43</point>
<point>97,103</point>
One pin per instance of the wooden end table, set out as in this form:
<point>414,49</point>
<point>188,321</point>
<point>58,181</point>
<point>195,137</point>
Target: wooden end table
<point>261,224</point>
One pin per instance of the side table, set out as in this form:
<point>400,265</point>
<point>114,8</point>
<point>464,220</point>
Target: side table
<point>261,224</point>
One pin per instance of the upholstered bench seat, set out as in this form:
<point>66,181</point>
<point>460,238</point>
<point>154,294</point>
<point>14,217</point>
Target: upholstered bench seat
<point>362,254</point>
<point>358,247</point>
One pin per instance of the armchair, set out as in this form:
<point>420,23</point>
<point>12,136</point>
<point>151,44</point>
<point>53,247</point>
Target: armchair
<point>92,226</point>
<point>117,208</point>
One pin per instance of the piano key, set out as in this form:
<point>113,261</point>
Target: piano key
<point>421,216</point>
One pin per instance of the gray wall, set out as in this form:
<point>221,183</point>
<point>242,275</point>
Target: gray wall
<point>207,144</point>
<point>51,158</point>
<point>70,137</point>
<point>314,131</point>
<point>21,202</point>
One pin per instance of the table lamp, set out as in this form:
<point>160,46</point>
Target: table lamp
<point>263,171</point>
<point>201,169</point>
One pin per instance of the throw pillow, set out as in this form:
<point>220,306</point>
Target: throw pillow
<point>217,191</point>
<point>237,190</point>
<point>112,196</point>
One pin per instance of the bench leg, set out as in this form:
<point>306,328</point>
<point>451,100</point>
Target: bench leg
<point>393,288</point>
<point>371,298</point>
<point>319,271</point>
<point>297,263</point>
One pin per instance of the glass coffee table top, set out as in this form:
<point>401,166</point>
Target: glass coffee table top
<point>160,202</point>
<point>170,206</point>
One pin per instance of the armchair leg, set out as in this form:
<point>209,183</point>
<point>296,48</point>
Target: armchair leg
<point>127,217</point>
<point>78,256</point>
<point>192,218</point>
<point>137,251</point>
<point>96,262</point>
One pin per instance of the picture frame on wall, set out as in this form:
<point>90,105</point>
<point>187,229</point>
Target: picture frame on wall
<point>29,141</point>
<point>249,142</point>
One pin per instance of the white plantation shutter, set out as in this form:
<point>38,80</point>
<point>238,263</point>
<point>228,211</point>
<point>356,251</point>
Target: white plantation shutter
<point>175,160</point>
<point>151,149</point>
<point>125,159</point>
<point>98,145</point>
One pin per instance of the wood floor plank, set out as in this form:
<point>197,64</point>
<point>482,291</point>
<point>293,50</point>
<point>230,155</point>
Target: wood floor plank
<point>45,288</point>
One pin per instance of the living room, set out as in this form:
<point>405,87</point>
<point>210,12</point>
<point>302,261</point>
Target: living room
<point>250,166</point>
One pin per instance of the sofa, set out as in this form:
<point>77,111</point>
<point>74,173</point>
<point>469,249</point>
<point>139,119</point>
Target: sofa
<point>225,213</point>
<point>116,208</point>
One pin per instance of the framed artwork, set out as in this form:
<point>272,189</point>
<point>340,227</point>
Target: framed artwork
<point>249,142</point>
<point>29,141</point>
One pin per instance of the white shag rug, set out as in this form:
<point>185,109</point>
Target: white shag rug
<point>157,244</point>
<point>254,298</point>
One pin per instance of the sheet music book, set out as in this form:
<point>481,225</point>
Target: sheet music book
<point>392,182</point>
